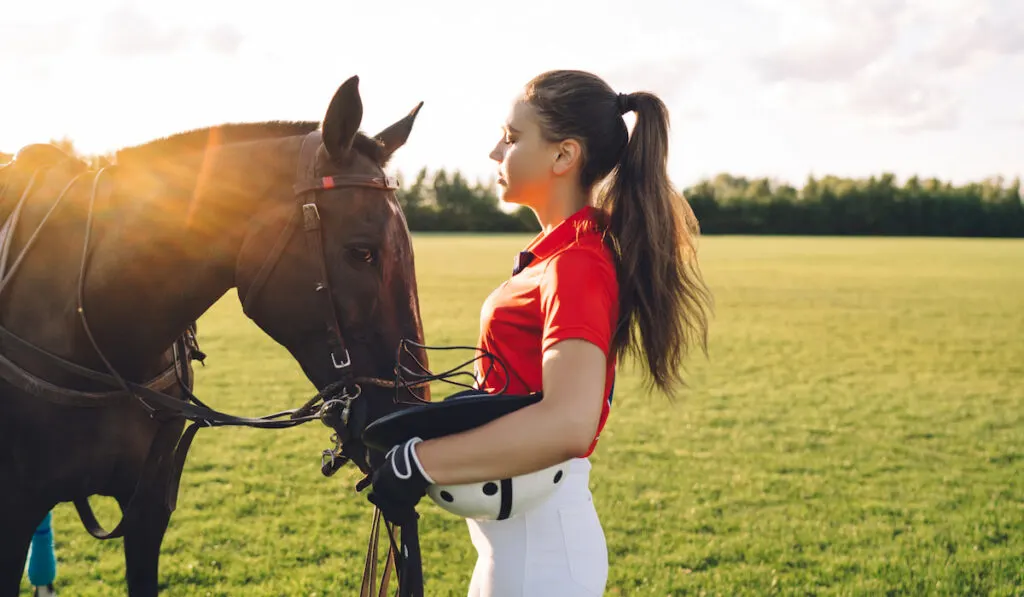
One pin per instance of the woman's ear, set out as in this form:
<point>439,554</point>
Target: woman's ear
<point>567,156</point>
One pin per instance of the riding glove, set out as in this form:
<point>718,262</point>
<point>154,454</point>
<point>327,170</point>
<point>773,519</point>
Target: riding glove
<point>399,484</point>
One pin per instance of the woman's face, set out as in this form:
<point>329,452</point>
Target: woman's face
<point>524,158</point>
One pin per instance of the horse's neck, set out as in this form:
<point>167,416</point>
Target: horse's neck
<point>173,257</point>
<point>160,254</point>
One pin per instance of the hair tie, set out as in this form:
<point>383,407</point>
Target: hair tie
<point>625,103</point>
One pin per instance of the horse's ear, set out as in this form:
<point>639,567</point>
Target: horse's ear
<point>344,115</point>
<point>395,135</point>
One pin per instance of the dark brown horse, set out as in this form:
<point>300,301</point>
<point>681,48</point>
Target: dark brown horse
<point>298,217</point>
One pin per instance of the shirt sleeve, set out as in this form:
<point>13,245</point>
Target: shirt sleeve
<point>579,298</point>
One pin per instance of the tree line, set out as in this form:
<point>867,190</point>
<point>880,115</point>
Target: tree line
<point>736,205</point>
<point>867,206</point>
<point>446,201</point>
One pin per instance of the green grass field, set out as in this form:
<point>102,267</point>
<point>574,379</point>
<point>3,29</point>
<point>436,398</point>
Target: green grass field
<point>857,430</point>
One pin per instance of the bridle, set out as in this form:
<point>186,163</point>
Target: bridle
<point>341,405</point>
<point>306,191</point>
<point>337,411</point>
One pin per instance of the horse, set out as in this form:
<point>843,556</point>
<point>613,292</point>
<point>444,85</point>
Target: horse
<point>103,274</point>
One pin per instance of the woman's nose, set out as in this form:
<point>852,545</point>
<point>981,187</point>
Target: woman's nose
<point>498,153</point>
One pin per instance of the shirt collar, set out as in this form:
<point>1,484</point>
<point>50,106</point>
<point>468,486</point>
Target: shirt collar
<point>584,221</point>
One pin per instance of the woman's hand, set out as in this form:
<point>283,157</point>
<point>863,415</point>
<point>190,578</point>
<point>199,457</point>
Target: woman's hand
<point>399,484</point>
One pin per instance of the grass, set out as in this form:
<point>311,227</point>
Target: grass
<point>857,430</point>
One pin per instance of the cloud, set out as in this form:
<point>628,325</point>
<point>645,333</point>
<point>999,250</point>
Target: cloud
<point>829,61</point>
<point>34,40</point>
<point>224,39</point>
<point>1015,120</point>
<point>667,77</point>
<point>964,41</point>
<point>840,39</point>
<point>126,31</point>
<point>894,64</point>
<point>682,82</point>
<point>830,41</point>
<point>898,96</point>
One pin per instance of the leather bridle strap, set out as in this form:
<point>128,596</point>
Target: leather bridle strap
<point>306,190</point>
<point>306,187</point>
<point>330,182</point>
<point>268,265</point>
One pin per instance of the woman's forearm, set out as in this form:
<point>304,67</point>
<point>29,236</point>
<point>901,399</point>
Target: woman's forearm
<point>526,440</point>
<point>559,427</point>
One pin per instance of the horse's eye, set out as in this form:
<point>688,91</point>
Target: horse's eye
<point>362,254</point>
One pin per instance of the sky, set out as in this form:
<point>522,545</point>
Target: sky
<point>777,88</point>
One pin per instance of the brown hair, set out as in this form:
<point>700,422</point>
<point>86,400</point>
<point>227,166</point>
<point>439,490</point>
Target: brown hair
<point>662,296</point>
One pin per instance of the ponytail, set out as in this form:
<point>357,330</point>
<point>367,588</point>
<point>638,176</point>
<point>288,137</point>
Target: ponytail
<point>662,296</point>
<point>663,301</point>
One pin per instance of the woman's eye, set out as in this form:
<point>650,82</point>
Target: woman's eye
<point>362,254</point>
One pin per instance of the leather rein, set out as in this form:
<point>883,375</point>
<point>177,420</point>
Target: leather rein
<point>333,404</point>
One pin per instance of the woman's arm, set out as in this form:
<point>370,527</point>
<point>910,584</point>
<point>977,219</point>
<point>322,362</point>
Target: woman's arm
<point>559,427</point>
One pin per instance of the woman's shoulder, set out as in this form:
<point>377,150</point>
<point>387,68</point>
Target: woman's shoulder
<point>586,248</point>
<point>585,261</point>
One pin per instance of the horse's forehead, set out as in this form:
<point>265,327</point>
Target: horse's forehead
<point>355,163</point>
<point>372,204</point>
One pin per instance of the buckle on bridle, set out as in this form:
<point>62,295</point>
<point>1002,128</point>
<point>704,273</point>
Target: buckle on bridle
<point>310,216</point>
<point>344,363</point>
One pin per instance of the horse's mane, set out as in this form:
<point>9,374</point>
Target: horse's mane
<point>202,138</point>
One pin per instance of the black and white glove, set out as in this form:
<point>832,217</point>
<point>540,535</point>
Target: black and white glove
<point>399,484</point>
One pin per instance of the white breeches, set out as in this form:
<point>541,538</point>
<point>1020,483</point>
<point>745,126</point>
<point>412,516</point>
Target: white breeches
<point>556,549</point>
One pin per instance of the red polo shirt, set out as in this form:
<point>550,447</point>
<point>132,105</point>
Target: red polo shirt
<point>568,290</point>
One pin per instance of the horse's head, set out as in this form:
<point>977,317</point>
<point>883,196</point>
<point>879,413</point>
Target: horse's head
<point>328,271</point>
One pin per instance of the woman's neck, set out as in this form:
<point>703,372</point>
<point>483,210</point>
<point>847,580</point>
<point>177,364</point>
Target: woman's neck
<point>560,205</point>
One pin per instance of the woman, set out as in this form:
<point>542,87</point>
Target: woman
<point>613,271</point>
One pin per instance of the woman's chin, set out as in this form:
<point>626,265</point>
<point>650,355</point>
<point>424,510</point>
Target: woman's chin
<point>505,196</point>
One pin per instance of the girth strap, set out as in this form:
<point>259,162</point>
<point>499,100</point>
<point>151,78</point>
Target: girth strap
<point>157,475</point>
<point>9,337</point>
